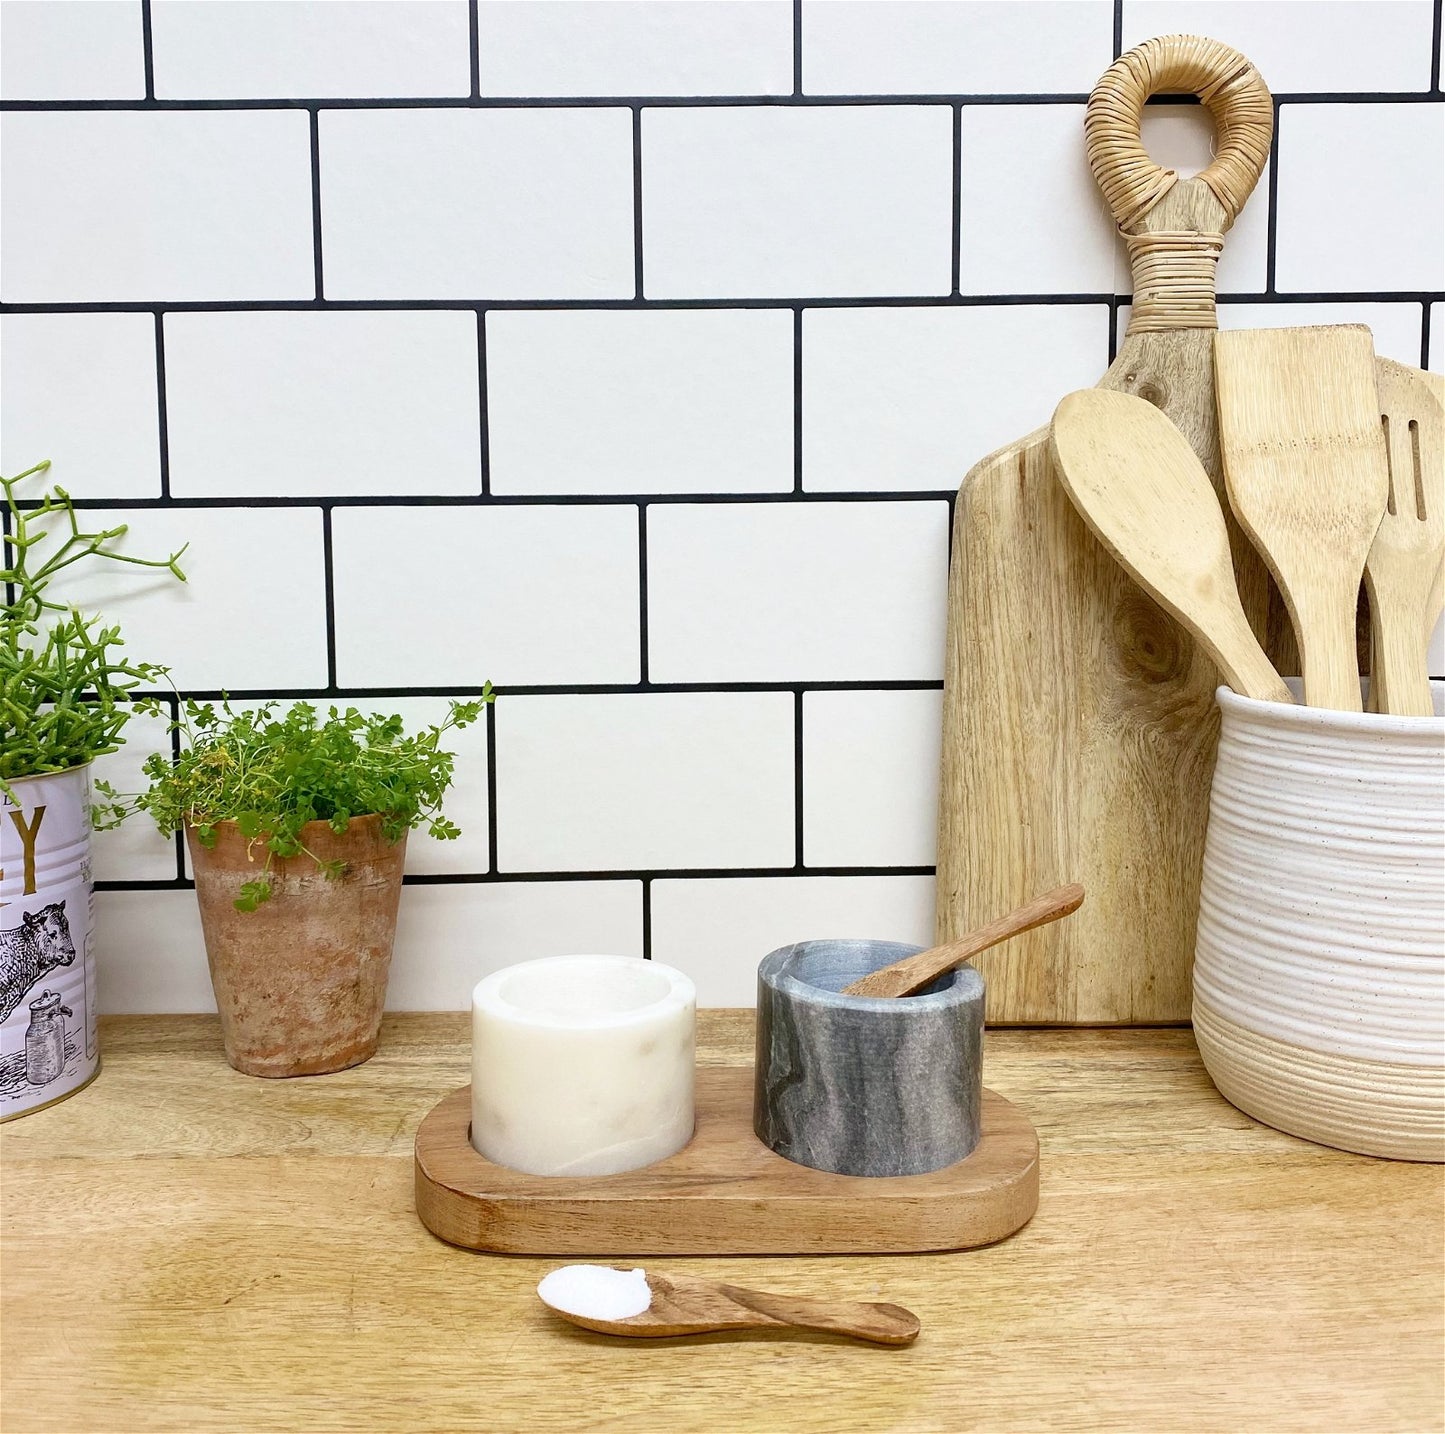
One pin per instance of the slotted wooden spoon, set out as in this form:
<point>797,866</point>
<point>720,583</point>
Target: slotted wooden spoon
<point>681,1305</point>
<point>1142,489</point>
<point>1404,566</point>
<point>1304,463</point>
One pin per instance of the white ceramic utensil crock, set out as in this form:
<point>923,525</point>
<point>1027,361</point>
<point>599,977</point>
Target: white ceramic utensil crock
<point>1319,972</point>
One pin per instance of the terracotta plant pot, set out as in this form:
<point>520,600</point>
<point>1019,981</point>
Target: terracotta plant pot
<point>301,981</point>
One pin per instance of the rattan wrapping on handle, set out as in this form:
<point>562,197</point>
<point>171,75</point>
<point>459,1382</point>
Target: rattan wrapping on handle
<point>1229,86</point>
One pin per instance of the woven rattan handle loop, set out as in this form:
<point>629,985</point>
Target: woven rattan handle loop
<point>1230,88</point>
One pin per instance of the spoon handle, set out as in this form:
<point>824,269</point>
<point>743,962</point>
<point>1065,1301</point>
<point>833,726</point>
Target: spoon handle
<point>878,1323</point>
<point>912,973</point>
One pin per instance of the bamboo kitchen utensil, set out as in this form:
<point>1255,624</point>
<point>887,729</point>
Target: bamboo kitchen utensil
<point>1304,461</point>
<point>1406,562</point>
<point>680,1305</point>
<point>913,973</point>
<point>1079,719</point>
<point>1146,497</point>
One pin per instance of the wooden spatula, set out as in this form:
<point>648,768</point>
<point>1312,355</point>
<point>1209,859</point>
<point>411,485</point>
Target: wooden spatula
<point>1143,491</point>
<point>1304,463</point>
<point>1403,569</point>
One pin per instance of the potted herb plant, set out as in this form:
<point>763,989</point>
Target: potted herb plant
<point>297,828</point>
<point>65,695</point>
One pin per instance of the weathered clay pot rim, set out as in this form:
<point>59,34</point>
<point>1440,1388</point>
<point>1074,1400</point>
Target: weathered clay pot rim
<point>365,818</point>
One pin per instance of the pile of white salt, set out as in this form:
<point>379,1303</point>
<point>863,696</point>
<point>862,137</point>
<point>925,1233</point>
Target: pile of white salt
<point>596,1291</point>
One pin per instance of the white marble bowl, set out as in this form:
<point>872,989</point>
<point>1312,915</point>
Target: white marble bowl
<point>1319,969</point>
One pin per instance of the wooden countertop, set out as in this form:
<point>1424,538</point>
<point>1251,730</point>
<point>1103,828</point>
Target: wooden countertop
<point>185,1248</point>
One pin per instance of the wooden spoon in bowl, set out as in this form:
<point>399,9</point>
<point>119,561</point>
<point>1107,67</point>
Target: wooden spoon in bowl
<point>913,973</point>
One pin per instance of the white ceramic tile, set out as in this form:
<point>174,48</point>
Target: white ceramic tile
<point>449,937</point>
<point>71,50</point>
<point>313,49</point>
<point>450,596</point>
<point>908,399</point>
<point>794,592</point>
<point>1396,327</point>
<point>80,389</point>
<point>633,781</point>
<point>718,930</point>
<point>335,403</point>
<point>135,850</point>
<point>1437,337</point>
<point>457,203</point>
<point>1032,220</point>
<point>209,205</point>
<point>870,778</point>
<point>670,402</point>
<point>772,202</point>
<point>657,47</point>
<point>1437,649</point>
<point>1181,138</point>
<point>252,611</point>
<point>149,954</point>
<point>1304,45</point>
<point>907,47</point>
<point>1361,191</point>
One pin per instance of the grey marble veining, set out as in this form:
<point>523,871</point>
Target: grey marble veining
<point>861,1085</point>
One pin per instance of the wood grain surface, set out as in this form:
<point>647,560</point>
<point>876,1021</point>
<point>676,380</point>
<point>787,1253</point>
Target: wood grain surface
<point>183,1248</point>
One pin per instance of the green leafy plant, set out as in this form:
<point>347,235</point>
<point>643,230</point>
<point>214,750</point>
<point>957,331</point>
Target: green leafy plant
<point>271,774</point>
<point>65,689</point>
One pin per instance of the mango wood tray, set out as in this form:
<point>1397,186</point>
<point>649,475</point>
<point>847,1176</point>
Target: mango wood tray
<point>726,1193</point>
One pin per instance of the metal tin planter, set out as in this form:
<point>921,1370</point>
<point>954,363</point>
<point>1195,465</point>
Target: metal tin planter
<point>48,1047</point>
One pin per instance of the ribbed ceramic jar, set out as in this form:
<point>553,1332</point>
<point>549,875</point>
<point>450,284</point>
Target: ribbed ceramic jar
<point>1319,970</point>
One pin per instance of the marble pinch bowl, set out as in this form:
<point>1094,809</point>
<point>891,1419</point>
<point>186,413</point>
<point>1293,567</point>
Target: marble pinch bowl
<point>865,1085</point>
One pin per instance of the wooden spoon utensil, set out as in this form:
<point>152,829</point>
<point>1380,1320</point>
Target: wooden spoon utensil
<point>1404,566</point>
<point>913,973</point>
<point>1305,466</point>
<point>1142,489</point>
<point>681,1305</point>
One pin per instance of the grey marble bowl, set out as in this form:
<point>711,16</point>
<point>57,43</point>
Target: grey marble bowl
<point>860,1085</point>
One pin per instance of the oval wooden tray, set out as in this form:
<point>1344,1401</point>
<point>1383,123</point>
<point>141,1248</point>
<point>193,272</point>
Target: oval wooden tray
<point>725,1194</point>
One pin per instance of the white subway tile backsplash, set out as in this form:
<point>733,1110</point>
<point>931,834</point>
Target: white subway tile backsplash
<point>447,596</point>
<point>149,954</point>
<point>870,778</point>
<point>449,937</point>
<point>335,403</point>
<point>80,389</point>
<point>897,399</point>
<point>135,850</point>
<point>130,205</point>
<point>1032,219</point>
<point>636,47</point>
<point>1437,337</point>
<point>1396,327</point>
<point>476,204</point>
<point>796,592</point>
<point>919,47</point>
<point>252,613</point>
<point>770,202</point>
<point>661,402</point>
<point>1361,192</point>
<point>71,50</point>
<point>1303,46</point>
<point>718,929</point>
<point>313,49</point>
<point>635,781</point>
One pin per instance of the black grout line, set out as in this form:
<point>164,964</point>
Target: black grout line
<point>162,434</point>
<point>798,400</point>
<point>354,692</point>
<point>1424,335</point>
<point>1118,28</point>
<point>647,918</point>
<point>637,202</point>
<point>956,239</point>
<point>506,500</point>
<point>315,123</point>
<point>328,569</point>
<point>474,38</point>
<point>797,49</point>
<point>642,592</point>
<point>1435,49</point>
<point>1114,306</point>
<point>173,702</point>
<point>482,413</point>
<point>491,789</point>
<point>147,50</point>
<point>1271,214</point>
<point>798,863</point>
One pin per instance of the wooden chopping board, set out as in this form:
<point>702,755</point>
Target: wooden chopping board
<point>1079,722</point>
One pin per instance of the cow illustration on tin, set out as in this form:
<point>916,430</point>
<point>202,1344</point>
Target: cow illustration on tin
<point>39,944</point>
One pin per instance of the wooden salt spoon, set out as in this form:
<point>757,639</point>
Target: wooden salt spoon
<point>913,973</point>
<point>681,1306</point>
<point>1143,491</point>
